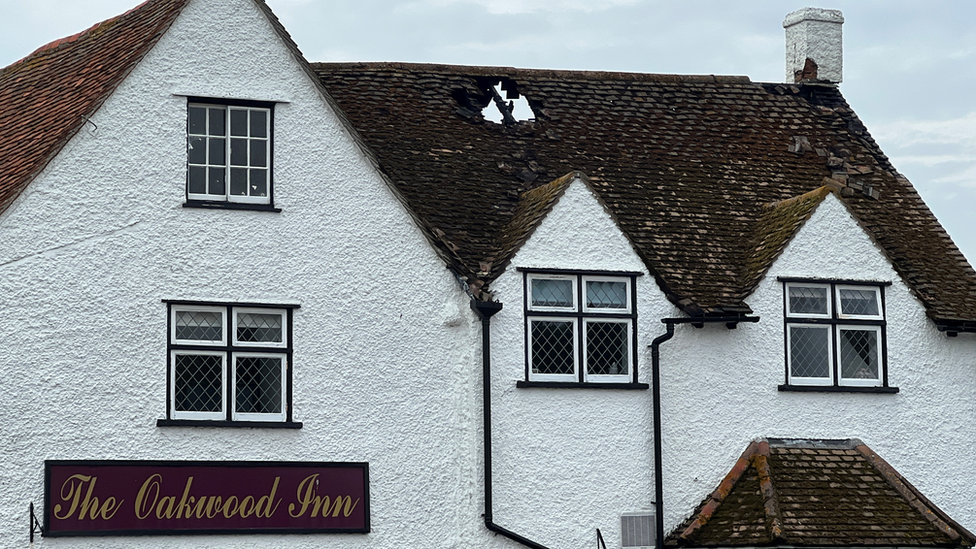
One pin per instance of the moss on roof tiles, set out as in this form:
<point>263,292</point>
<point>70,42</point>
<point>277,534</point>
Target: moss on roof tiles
<point>816,494</point>
<point>685,165</point>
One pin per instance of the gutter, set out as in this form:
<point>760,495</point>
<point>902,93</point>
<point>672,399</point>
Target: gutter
<point>698,322</point>
<point>485,310</point>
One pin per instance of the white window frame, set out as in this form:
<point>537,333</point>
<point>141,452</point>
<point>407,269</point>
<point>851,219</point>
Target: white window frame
<point>609,378</point>
<point>254,416</point>
<point>570,377</point>
<point>856,381</point>
<point>840,308</point>
<point>258,310</point>
<point>200,309</point>
<point>834,322</point>
<point>229,348</point>
<point>827,296</point>
<point>268,139</point>
<point>197,415</point>
<point>579,314</point>
<point>798,380</point>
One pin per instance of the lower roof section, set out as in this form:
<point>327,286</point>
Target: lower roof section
<point>816,493</point>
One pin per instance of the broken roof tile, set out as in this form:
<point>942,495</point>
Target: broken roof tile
<point>685,164</point>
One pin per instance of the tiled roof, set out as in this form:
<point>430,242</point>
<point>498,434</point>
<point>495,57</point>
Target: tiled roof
<point>49,95</point>
<point>816,493</point>
<point>686,165</point>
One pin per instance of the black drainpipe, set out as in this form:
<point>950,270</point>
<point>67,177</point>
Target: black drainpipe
<point>698,322</point>
<point>485,310</point>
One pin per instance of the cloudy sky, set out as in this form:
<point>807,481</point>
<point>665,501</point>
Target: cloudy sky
<point>909,66</point>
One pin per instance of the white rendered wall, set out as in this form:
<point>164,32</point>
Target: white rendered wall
<point>385,348</point>
<point>720,386</point>
<point>569,461</point>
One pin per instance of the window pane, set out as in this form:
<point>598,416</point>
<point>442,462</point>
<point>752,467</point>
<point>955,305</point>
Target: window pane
<point>199,325</point>
<point>809,351</point>
<point>552,293</point>
<point>807,300</point>
<point>196,150</point>
<point>238,181</point>
<point>198,383</point>
<point>238,152</point>
<point>606,294</point>
<point>859,302</point>
<point>196,120</point>
<point>858,354</point>
<point>259,153</point>
<point>259,327</point>
<point>217,151</point>
<point>197,180</point>
<point>259,124</point>
<point>606,348</point>
<point>259,182</point>
<point>552,347</point>
<point>258,385</point>
<point>217,121</point>
<point>238,122</point>
<point>217,185</point>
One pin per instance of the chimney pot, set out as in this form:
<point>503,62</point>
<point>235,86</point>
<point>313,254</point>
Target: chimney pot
<point>814,45</point>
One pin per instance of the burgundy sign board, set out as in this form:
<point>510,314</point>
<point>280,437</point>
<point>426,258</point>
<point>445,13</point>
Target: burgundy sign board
<point>105,498</point>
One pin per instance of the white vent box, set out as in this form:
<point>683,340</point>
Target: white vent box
<point>637,530</point>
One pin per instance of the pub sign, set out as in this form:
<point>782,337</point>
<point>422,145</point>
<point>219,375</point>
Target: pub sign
<point>104,498</point>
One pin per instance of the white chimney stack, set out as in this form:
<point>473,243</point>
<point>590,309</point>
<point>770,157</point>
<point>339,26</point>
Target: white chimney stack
<point>814,45</point>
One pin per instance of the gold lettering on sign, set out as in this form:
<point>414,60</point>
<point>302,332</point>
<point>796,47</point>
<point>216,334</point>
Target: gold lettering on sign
<point>88,507</point>
<point>142,496</point>
<point>150,502</point>
<point>310,500</point>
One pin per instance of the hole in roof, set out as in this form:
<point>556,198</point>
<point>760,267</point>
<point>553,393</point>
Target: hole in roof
<point>518,106</point>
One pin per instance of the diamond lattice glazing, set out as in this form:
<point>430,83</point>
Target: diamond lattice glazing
<point>199,325</point>
<point>858,354</point>
<point>258,385</point>
<point>809,351</point>
<point>808,300</point>
<point>552,347</point>
<point>198,383</point>
<point>858,302</point>
<point>606,348</point>
<point>606,294</point>
<point>259,327</point>
<point>552,292</point>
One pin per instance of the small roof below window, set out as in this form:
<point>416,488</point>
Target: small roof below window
<point>786,492</point>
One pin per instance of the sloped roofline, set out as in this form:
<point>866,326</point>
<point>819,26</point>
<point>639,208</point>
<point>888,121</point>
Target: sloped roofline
<point>10,190</point>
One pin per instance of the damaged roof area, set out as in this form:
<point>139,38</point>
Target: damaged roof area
<point>822,493</point>
<point>687,165</point>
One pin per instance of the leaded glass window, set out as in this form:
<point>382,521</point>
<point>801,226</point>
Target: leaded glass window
<point>823,351</point>
<point>580,327</point>
<point>238,377</point>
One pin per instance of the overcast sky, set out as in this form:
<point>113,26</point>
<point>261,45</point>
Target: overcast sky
<point>909,66</point>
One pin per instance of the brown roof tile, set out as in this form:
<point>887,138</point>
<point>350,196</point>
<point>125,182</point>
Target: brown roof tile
<point>686,165</point>
<point>817,493</point>
<point>49,95</point>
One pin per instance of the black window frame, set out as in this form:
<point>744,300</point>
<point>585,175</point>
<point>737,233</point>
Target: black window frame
<point>579,317</point>
<point>228,348</point>
<point>834,323</point>
<point>228,204</point>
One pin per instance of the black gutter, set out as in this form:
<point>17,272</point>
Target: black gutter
<point>698,322</point>
<point>485,310</point>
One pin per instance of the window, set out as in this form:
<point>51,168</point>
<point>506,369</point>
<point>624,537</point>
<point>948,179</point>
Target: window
<point>580,327</point>
<point>228,153</point>
<point>229,362</point>
<point>835,334</point>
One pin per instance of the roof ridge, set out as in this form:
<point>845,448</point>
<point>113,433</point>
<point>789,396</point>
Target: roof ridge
<point>477,70</point>
<point>716,498</point>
